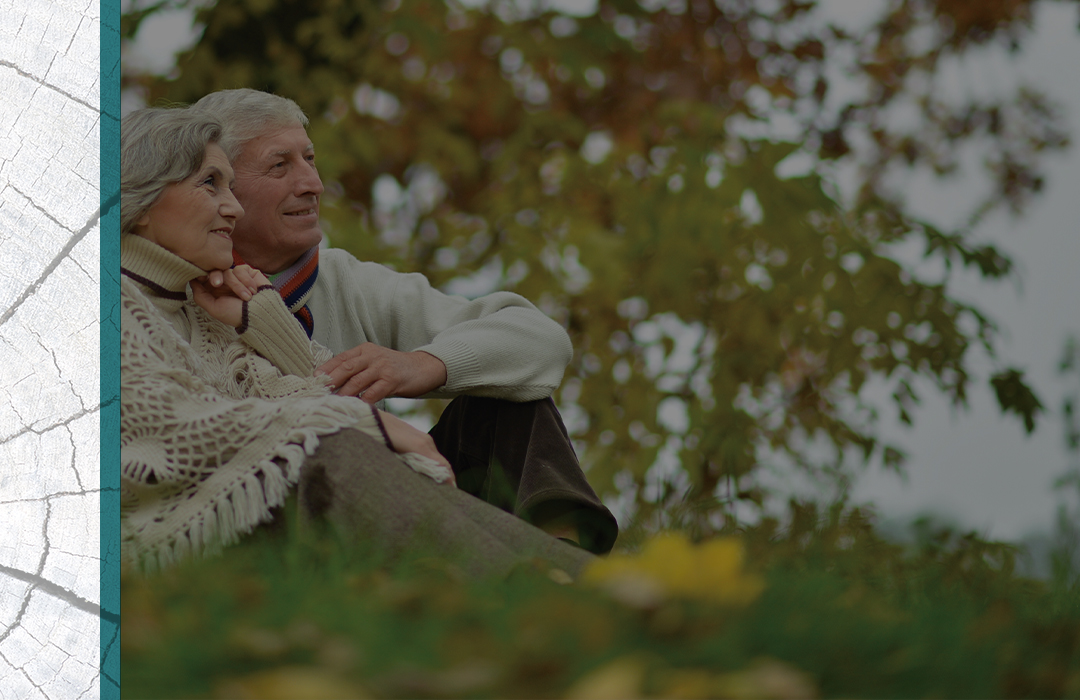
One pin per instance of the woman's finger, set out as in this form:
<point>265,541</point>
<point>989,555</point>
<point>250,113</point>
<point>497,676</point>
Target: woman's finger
<point>198,291</point>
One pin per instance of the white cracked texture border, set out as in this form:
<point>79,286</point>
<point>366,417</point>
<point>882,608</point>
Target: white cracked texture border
<point>49,347</point>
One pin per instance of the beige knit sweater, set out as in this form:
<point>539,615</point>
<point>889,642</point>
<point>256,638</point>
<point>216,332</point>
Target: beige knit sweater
<point>215,424</point>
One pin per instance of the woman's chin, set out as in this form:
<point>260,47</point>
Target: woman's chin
<point>222,259</point>
<point>215,263</point>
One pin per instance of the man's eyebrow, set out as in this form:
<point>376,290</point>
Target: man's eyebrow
<point>287,151</point>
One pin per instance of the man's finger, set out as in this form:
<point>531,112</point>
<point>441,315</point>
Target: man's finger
<point>354,385</point>
<point>346,370</point>
<point>249,276</point>
<point>258,278</point>
<point>377,392</point>
<point>336,361</point>
<point>216,278</point>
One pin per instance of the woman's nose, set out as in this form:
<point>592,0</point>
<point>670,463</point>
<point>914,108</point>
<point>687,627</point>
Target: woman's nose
<point>231,208</point>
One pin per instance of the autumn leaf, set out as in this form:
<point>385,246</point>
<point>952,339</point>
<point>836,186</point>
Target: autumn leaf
<point>669,565</point>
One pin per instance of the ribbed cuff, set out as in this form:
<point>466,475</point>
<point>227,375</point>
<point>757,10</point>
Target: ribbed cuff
<point>269,328</point>
<point>462,365</point>
<point>382,427</point>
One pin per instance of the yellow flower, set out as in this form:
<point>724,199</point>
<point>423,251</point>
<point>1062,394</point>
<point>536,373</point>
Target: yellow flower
<point>670,566</point>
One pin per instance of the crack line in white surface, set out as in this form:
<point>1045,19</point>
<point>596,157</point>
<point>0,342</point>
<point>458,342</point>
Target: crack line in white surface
<point>48,587</point>
<point>60,257</point>
<point>74,454</point>
<point>34,204</point>
<point>19,615</point>
<point>45,536</point>
<point>64,423</point>
<point>42,83</point>
<point>54,495</point>
<point>56,364</point>
<point>28,678</point>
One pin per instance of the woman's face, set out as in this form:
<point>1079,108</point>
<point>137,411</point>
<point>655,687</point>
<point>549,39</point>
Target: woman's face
<point>194,218</point>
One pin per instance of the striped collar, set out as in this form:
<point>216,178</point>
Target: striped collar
<point>294,284</point>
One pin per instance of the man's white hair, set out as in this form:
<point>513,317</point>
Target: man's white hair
<point>246,114</point>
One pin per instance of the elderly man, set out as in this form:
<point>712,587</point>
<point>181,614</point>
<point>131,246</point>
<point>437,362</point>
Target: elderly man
<point>394,335</point>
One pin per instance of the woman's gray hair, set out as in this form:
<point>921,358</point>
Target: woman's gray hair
<point>247,114</point>
<point>159,146</point>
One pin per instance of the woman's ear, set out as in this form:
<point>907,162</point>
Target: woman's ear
<point>140,227</point>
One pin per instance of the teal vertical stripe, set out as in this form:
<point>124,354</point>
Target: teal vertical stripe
<point>110,349</point>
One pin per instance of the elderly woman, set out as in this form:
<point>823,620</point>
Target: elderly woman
<point>221,416</point>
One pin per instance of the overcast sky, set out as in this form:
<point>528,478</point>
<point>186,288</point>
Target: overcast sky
<point>975,467</point>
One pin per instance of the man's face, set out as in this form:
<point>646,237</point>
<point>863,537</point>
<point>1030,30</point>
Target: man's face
<point>279,188</point>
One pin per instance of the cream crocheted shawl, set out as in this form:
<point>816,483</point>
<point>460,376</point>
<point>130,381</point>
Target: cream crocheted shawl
<point>212,433</point>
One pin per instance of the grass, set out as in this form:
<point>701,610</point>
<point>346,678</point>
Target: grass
<point>839,612</point>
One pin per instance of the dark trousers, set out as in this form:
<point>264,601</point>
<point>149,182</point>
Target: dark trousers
<point>518,457</point>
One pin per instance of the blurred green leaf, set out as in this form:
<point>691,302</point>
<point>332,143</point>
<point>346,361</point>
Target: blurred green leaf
<point>1014,396</point>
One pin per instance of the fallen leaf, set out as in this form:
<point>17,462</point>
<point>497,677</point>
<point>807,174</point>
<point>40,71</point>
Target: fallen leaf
<point>289,683</point>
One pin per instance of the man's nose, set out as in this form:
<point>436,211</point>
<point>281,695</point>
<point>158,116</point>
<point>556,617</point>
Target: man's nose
<point>308,182</point>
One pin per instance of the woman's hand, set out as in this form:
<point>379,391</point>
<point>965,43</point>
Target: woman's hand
<point>225,299</point>
<point>405,438</point>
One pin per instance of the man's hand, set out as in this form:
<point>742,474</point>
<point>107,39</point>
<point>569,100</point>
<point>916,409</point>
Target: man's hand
<point>379,372</point>
<point>222,293</point>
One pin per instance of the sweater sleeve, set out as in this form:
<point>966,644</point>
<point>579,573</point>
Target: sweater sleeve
<point>497,345</point>
<point>274,333</point>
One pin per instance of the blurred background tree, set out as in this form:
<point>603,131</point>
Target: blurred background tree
<point>1065,550</point>
<point>702,192</point>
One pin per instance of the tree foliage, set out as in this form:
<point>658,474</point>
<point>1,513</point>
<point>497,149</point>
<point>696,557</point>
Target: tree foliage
<point>1065,554</point>
<point>661,177</point>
